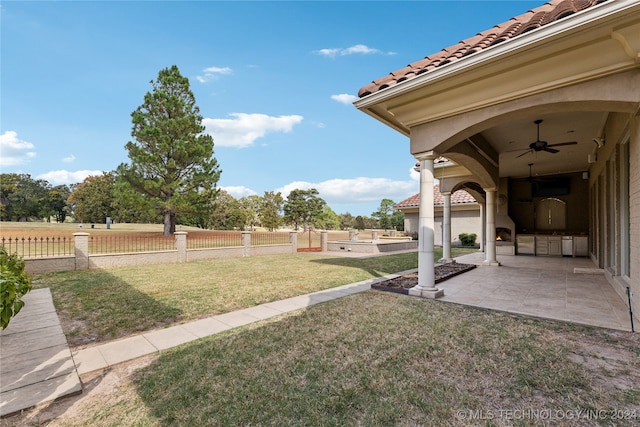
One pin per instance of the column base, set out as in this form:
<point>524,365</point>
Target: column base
<point>431,293</point>
<point>445,260</point>
<point>491,263</point>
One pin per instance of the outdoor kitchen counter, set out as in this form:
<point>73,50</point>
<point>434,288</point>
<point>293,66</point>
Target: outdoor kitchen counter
<point>552,244</point>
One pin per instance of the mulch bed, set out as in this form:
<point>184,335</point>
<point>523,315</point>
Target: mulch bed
<point>402,284</point>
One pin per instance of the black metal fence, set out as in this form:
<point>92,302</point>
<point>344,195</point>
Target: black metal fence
<point>126,244</point>
<point>39,247</point>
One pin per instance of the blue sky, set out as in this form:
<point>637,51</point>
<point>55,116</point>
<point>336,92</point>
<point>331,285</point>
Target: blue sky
<point>274,82</point>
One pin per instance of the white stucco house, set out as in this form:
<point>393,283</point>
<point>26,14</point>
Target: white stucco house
<point>543,111</point>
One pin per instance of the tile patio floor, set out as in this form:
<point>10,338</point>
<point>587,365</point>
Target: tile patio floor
<point>559,288</point>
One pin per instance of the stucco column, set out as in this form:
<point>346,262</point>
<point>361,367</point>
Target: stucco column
<point>293,239</point>
<point>81,250</point>
<point>181,245</point>
<point>324,240</point>
<point>446,228</point>
<point>491,209</point>
<point>426,224</point>
<point>483,227</point>
<point>246,243</point>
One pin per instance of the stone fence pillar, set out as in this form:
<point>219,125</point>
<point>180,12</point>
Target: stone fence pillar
<point>81,244</point>
<point>324,235</point>
<point>246,243</point>
<point>293,239</point>
<point>374,235</point>
<point>181,245</point>
<point>353,235</point>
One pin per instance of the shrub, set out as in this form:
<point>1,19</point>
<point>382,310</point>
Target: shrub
<point>14,284</point>
<point>467,239</point>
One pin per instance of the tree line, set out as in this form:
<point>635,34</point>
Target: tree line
<point>172,177</point>
<point>99,197</point>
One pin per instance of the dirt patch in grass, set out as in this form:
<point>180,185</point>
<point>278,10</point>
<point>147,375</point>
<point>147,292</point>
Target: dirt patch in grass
<point>403,283</point>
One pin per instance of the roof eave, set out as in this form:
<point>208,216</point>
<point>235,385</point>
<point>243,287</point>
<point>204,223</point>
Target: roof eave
<point>375,104</point>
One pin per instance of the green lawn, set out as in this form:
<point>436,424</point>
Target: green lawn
<point>98,305</point>
<point>371,359</point>
<point>382,359</point>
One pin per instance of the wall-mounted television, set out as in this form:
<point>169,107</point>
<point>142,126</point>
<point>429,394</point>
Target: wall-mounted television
<point>551,187</point>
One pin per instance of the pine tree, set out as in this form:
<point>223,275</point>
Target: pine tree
<point>172,159</point>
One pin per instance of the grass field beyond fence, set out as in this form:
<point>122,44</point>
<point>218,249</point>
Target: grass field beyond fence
<point>39,239</point>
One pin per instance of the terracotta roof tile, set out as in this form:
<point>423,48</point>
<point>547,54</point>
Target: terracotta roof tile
<point>459,197</point>
<point>549,12</point>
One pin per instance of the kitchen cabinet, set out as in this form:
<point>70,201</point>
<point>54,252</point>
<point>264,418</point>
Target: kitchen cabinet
<point>549,245</point>
<point>542,245</point>
<point>555,245</point>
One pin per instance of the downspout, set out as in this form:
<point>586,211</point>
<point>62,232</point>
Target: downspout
<point>630,309</point>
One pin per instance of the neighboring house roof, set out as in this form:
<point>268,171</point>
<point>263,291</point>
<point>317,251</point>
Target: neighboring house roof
<point>459,197</point>
<point>549,12</point>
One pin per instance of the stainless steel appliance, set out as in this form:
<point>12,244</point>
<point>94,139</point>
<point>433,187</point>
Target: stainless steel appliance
<point>526,244</point>
<point>567,245</point>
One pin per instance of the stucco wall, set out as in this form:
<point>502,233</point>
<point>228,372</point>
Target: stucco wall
<point>609,208</point>
<point>577,203</point>
<point>49,265</point>
<point>462,221</point>
<point>132,259</point>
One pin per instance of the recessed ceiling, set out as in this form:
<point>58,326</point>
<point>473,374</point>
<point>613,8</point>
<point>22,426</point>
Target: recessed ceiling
<point>511,140</point>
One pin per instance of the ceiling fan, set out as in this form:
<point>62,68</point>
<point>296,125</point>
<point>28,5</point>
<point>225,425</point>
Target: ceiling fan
<point>538,145</point>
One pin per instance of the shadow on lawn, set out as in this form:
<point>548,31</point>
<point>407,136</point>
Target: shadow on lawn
<point>376,266</point>
<point>96,306</point>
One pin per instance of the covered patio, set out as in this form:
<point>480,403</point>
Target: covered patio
<point>566,289</point>
<point>540,119</point>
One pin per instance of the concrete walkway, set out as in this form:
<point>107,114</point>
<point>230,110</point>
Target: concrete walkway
<point>35,360</point>
<point>118,351</point>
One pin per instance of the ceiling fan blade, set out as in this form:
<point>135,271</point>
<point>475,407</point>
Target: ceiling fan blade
<point>517,149</point>
<point>526,152</point>
<point>562,143</point>
<point>550,150</point>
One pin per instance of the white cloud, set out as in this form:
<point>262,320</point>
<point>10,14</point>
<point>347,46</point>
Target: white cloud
<point>359,49</point>
<point>239,191</point>
<point>69,159</point>
<point>67,177</point>
<point>344,98</point>
<point>14,151</point>
<point>243,129</point>
<point>213,73</point>
<point>356,190</point>
<point>414,174</point>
